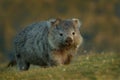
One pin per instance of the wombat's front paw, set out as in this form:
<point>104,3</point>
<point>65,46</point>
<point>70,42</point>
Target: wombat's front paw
<point>24,67</point>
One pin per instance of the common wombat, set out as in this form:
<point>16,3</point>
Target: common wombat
<point>47,43</point>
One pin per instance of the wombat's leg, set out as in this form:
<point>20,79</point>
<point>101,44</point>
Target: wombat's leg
<point>11,63</point>
<point>22,65</point>
<point>68,60</point>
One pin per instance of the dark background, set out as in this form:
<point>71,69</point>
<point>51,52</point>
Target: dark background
<point>100,20</point>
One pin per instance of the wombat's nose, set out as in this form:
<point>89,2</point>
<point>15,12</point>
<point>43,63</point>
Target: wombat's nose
<point>69,40</point>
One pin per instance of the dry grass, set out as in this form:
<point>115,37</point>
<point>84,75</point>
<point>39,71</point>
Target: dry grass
<point>86,67</point>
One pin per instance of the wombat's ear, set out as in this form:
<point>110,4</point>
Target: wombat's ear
<point>76,22</point>
<point>55,22</point>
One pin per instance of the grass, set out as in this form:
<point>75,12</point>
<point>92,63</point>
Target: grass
<point>104,66</point>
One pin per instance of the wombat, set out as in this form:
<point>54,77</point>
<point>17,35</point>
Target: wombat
<point>47,43</point>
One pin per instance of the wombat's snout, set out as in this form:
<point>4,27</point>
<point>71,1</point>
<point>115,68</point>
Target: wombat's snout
<point>68,41</point>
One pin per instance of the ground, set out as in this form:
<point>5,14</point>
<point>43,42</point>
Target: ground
<point>94,66</point>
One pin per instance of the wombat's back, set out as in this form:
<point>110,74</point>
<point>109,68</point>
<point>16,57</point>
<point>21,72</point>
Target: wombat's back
<point>30,31</point>
<point>31,43</point>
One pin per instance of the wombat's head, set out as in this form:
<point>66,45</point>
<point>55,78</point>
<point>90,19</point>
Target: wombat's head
<point>64,33</point>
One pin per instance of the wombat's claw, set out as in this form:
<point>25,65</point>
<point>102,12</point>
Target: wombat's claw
<point>23,69</point>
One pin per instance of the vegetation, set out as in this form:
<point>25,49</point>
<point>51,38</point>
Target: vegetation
<point>104,66</point>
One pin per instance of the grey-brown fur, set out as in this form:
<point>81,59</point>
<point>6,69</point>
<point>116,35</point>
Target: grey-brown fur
<point>47,43</point>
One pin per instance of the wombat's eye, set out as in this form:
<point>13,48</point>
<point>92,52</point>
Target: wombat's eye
<point>73,33</point>
<point>61,34</point>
